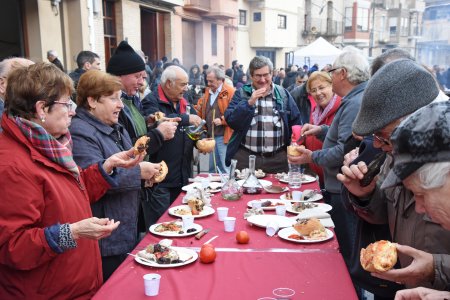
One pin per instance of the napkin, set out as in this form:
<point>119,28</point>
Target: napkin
<point>327,222</point>
<point>313,213</point>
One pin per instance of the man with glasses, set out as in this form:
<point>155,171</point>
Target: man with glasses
<point>261,115</point>
<point>396,90</point>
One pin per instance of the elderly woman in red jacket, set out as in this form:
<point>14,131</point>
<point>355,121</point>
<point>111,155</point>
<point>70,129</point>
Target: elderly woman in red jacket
<point>48,237</point>
<point>327,103</point>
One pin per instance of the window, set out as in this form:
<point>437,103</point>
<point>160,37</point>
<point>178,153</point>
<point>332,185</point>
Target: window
<point>256,17</point>
<point>362,20</point>
<point>281,22</point>
<point>404,27</point>
<point>109,28</point>
<point>393,26</point>
<point>348,18</point>
<point>213,39</point>
<point>242,17</point>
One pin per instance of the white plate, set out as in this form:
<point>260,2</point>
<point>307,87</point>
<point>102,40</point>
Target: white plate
<point>264,183</point>
<point>262,220</point>
<point>305,179</point>
<point>321,208</point>
<point>274,201</point>
<point>187,255</point>
<point>205,212</point>
<point>214,187</point>
<point>286,232</point>
<point>197,228</point>
<point>315,198</point>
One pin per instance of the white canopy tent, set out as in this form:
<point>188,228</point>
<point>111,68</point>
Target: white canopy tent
<point>318,52</point>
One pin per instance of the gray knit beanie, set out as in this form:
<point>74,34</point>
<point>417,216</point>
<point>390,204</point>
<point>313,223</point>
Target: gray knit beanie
<point>396,90</point>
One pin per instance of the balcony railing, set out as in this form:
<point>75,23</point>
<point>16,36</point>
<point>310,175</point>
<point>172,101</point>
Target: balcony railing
<point>322,27</point>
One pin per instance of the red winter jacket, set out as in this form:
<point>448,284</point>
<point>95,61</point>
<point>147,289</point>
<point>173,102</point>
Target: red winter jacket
<point>37,193</point>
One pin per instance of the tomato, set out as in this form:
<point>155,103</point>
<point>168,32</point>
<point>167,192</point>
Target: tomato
<point>207,254</point>
<point>242,237</point>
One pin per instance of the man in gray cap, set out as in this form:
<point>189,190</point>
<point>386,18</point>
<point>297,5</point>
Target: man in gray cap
<point>394,92</point>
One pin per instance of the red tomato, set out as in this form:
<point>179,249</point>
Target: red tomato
<point>242,237</point>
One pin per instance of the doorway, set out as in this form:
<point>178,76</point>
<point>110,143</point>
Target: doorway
<point>152,35</point>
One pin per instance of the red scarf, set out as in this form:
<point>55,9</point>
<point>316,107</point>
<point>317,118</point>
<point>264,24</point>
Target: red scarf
<point>163,98</point>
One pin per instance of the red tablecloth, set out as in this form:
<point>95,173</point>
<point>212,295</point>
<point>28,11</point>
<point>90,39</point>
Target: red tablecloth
<point>250,271</point>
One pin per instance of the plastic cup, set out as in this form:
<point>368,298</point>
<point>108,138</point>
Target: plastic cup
<point>222,213</point>
<point>256,204</point>
<point>296,195</point>
<point>188,222</point>
<point>280,210</point>
<point>271,228</point>
<point>229,223</point>
<point>151,284</point>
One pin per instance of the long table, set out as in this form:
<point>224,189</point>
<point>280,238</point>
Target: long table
<point>240,271</point>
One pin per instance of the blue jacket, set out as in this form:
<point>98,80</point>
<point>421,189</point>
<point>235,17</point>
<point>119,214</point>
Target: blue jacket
<point>239,116</point>
<point>93,141</point>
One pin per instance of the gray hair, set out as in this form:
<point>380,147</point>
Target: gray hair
<point>355,63</point>
<point>170,73</point>
<point>259,62</point>
<point>388,56</point>
<point>433,175</point>
<point>218,72</point>
<point>52,52</point>
<point>9,64</point>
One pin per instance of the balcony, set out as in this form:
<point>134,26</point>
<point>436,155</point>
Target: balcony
<point>223,9</point>
<point>325,28</point>
<point>198,6</point>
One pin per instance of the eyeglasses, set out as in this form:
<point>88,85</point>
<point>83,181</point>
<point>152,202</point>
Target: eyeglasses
<point>330,72</point>
<point>260,76</point>
<point>69,104</point>
<point>382,140</point>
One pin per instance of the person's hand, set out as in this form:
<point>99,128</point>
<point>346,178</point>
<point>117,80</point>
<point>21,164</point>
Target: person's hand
<point>310,129</point>
<point>351,156</point>
<point>350,177</point>
<point>148,169</point>
<point>421,293</point>
<point>256,95</point>
<point>124,159</point>
<point>194,120</point>
<point>167,129</point>
<point>93,228</point>
<point>420,270</point>
<point>304,158</point>
<point>217,121</point>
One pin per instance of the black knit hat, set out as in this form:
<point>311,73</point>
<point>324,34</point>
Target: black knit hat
<point>125,61</point>
<point>396,90</point>
<point>424,137</point>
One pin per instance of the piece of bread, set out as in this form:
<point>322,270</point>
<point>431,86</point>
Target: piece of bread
<point>162,173</point>
<point>292,150</point>
<point>196,206</point>
<point>159,116</point>
<point>378,257</point>
<point>141,145</point>
<point>307,227</point>
<point>206,145</point>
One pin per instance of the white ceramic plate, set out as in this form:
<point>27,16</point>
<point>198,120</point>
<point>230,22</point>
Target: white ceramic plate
<point>205,212</point>
<point>186,255</point>
<point>272,207</point>
<point>286,232</point>
<point>305,179</point>
<point>197,228</point>
<point>315,198</point>
<point>320,208</point>
<point>264,183</point>
<point>214,187</point>
<point>263,220</point>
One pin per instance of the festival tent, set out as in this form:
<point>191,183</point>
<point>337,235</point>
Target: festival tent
<point>320,51</point>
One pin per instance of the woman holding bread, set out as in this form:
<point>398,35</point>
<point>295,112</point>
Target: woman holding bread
<point>97,135</point>
<point>48,237</point>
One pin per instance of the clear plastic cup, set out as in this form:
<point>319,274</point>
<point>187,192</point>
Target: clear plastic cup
<point>222,213</point>
<point>229,223</point>
<point>151,284</point>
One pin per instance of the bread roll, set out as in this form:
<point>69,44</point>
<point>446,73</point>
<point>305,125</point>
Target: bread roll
<point>196,206</point>
<point>206,145</point>
<point>141,145</point>
<point>378,257</point>
<point>307,227</point>
<point>162,173</point>
<point>292,150</point>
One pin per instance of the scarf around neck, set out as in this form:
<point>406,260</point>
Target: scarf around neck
<point>318,116</point>
<point>57,150</point>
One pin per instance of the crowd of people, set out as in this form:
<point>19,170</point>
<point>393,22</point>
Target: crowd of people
<point>77,198</point>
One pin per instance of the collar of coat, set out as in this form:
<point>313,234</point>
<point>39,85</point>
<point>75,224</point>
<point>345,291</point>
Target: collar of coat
<point>163,98</point>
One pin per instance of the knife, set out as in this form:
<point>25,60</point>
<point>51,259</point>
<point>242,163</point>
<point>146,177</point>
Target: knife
<point>201,234</point>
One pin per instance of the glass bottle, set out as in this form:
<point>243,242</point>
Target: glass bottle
<point>195,132</point>
<point>231,190</point>
<point>251,184</point>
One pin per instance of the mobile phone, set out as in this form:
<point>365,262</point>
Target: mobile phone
<point>373,169</point>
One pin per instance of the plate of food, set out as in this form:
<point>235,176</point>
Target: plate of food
<point>244,172</point>
<point>266,204</point>
<point>162,255</point>
<point>264,183</point>
<point>189,210</point>
<point>290,234</point>
<point>310,207</point>
<point>307,196</point>
<point>174,229</point>
<point>213,187</point>
<point>283,177</point>
<point>263,220</point>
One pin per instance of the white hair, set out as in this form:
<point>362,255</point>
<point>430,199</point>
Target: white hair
<point>52,52</point>
<point>433,175</point>
<point>170,73</point>
<point>355,63</point>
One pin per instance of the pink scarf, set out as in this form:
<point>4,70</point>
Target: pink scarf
<point>318,114</point>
